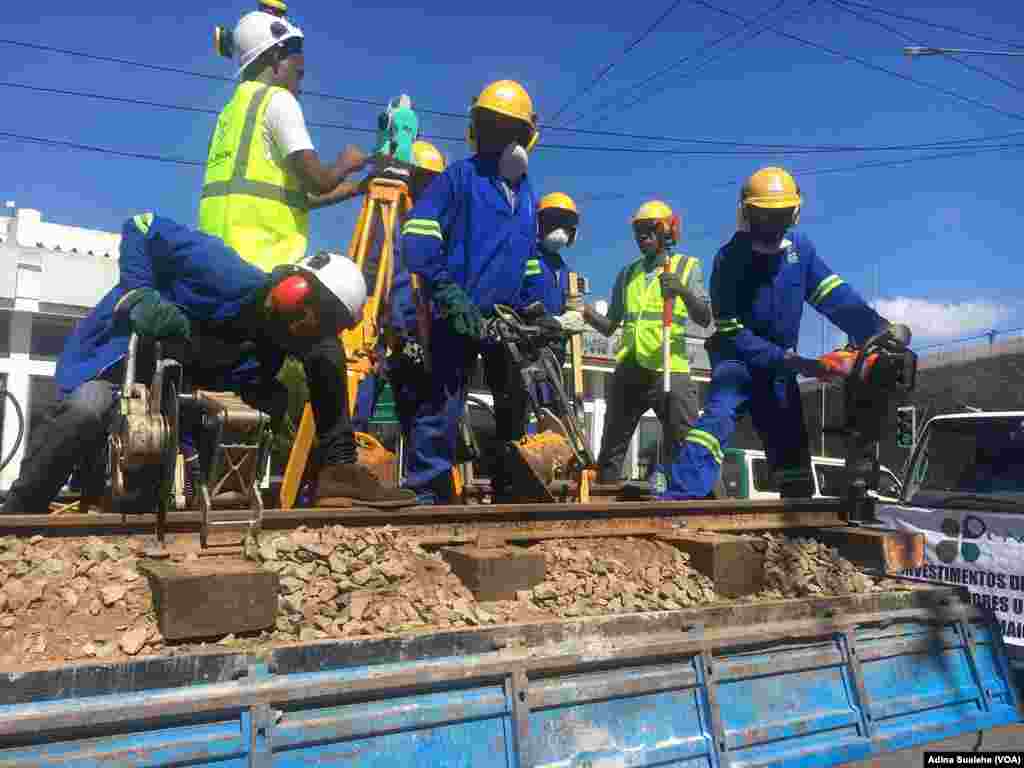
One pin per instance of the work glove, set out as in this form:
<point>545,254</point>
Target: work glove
<point>671,285</point>
<point>155,318</point>
<point>571,322</point>
<point>549,326</point>
<point>804,366</point>
<point>458,309</point>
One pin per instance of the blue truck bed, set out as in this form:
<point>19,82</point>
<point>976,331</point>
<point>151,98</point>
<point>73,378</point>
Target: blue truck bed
<point>813,682</point>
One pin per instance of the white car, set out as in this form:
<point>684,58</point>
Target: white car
<point>746,475</point>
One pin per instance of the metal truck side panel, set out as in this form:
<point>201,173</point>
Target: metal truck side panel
<point>870,675</point>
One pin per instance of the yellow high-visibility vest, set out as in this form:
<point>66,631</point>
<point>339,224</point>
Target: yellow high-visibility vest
<point>641,328</point>
<point>248,201</point>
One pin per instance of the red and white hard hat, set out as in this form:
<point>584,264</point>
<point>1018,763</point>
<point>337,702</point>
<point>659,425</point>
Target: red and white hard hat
<point>342,279</point>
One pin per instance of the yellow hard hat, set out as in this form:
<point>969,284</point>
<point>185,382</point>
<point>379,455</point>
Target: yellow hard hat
<point>558,210</point>
<point>557,200</point>
<point>652,210</point>
<point>771,187</point>
<point>428,157</point>
<point>508,98</point>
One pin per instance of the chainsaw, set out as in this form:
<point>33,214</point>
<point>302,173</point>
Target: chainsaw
<point>883,369</point>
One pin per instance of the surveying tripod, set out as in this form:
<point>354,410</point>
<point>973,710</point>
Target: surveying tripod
<point>372,249</point>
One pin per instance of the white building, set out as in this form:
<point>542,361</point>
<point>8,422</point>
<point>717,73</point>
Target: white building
<point>54,274</point>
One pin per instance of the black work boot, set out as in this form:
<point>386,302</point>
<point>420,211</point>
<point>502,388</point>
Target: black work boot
<point>344,485</point>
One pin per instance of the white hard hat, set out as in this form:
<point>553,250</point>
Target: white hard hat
<point>257,32</point>
<point>341,277</point>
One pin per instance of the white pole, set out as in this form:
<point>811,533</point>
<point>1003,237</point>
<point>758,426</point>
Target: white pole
<point>821,384</point>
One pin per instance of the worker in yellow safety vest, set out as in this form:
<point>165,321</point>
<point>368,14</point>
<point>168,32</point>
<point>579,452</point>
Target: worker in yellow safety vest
<point>263,175</point>
<point>262,179</point>
<point>636,306</point>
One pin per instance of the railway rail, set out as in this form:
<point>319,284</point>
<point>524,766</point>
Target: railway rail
<point>725,515</point>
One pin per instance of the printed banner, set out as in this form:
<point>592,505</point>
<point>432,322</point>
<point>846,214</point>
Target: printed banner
<point>983,551</point>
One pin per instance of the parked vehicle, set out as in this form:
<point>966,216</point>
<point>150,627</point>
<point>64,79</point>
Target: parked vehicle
<point>964,489</point>
<point>746,475</point>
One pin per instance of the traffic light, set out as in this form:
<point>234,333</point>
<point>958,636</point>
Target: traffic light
<point>906,426</point>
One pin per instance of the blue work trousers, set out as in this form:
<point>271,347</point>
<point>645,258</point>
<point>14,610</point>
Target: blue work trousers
<point>431,427</point>
<point>773,401</point>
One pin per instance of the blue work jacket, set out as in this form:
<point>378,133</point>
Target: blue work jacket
<point>464,230</point>
<point>205,278</point>
<point>758,300</point>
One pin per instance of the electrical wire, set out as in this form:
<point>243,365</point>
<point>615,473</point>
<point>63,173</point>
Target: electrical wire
<point>754,149</point>
<point>894,163</point>
<point>605,105</point>
<point>841,169</point>
<point>603,72</point>
<point>934,25</point>
<point>370,102</point>
<point>629,150</point>
<point>101,150</point>
<point>910,39</point>
<point>877,68</point>
<point>317,94</point>
<point>648,95</point>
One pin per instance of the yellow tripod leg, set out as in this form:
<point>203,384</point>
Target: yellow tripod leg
<point>387,197</point>
<point>297,459</point>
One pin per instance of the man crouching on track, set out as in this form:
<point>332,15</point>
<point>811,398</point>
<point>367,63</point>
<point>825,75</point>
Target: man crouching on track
<point>175,283</point>
<point>759,283</point>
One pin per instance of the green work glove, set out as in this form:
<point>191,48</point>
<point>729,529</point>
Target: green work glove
<point>155,318</point>
<point>457,308</point>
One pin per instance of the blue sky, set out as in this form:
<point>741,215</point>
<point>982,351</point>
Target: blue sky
<point>937,242</point>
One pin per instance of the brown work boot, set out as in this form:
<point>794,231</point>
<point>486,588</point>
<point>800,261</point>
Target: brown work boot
<point>345,485</point>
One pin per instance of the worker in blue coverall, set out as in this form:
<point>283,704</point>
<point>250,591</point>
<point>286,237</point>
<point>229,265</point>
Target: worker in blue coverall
<point>547,274</point>
<point>759,283</point>
<point>191,290</point>
<point>545,296</point>
<point>468,238</point>
<point>544,290</point>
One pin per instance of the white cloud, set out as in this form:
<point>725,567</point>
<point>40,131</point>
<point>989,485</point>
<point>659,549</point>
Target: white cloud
<point>935,320</point>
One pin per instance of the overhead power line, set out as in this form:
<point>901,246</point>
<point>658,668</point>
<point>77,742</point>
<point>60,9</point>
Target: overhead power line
<point>603,72</point>
<point>592,132</point>
<point>803,172</point>
<point>932,24</point>
<point>865,63</point>
<point>646,95</point>
<point>910,39</point>
<point>753,150</point>
<point>76,146</point>
<point>736,149</point>
<point>604,105</point>
<point>902,161</point>
<point>335,97</point>
<point>100,150</point>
